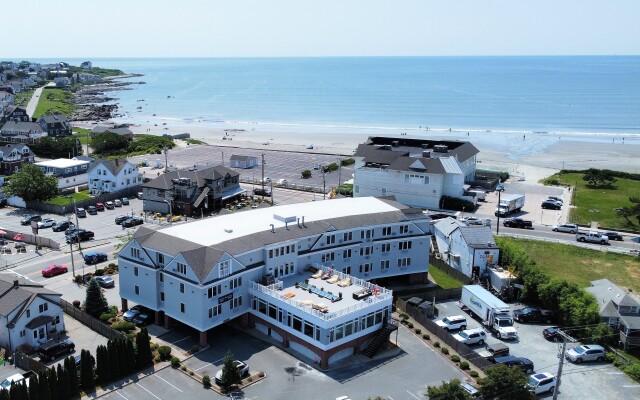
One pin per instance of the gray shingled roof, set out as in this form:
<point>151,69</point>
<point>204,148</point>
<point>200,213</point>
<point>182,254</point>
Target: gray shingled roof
<point>55,118</point>
<point>12,296</point>
<point>448,225</point>
<point>199,176</point>
<point>605,291</point>
<point>115,166</point>
<point>237,157</point>
<point>478,236</point>
<point>21,127</point>
<point>6,149</point>
<point>431,165</point>
<point>631,321</point>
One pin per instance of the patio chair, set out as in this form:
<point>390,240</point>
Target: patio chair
<point>345,282</point>
<point>333,279</point>
<point>307,303</point>
<point>321,307</point>
<point>318,274</point>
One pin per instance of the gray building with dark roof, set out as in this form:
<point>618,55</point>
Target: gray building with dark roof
<point>55,124</point>
<point>417,172</point>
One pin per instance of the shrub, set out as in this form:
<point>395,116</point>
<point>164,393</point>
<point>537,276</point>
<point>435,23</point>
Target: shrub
<point>464,365</point>
<point>436,344</point>
<point>123,326</point>
<point>156,359</point>
<point>99,272</point>
<point>455,357</point>
<point>191,373</point>
<point>261,374</point>
<point>104,317</point>
<point>410,325</point>
<point>445,350</point>
<point>404,316</point>
<point>184,368</point>
<point>426,337</point>
<point>76,303</point>
<point>153,346</point>
<point>456,204</point>
<point>633,370</point>
<point>331,167</point>
<point>250,379</point>
<point>77,279</point>
<point>347,161</point>
<point>206,381</point>
<point>474,374</point>
<point>175,362</point>
<point>306,174</point>
<point>418,331</point>
<point>194,349</point>
<point>164,351</point>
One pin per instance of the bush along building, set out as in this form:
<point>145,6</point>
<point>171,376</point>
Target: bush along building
<point>303,274</point>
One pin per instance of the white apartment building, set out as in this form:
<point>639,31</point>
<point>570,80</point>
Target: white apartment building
<point>258,264</point>
<point>108,176</point>
<point>417,172</point>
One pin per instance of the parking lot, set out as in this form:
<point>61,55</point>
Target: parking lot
<point>579,381</point>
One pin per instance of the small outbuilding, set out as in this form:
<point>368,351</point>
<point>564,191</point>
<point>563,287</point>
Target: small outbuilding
<point>238,161</point>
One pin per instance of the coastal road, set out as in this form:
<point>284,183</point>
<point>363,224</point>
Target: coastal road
<point>35,98</point>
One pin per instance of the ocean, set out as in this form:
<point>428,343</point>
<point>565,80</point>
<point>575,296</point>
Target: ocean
<point>554,95</point>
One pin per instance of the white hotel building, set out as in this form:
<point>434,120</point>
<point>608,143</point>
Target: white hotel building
<point>258,265</point>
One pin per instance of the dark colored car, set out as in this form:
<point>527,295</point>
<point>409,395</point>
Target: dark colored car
<point>53,270</point>
<point>551,205</point>
<point>52,349</point>
<point>524,364</point>
<point>121,218</point>
<point>80,236</point>
<point>62,226</point>
<point>532,314</point>
<point>92,210</point>
<point>133,222</point>
<point>142,319</point>
<point>95,257</point>
<point>551,333</point>
<point>71,230</point>
<point>613,236</point>
<point>262,192</point>
<point>28,219</point>
<point>518,223</point>
<point>81,212</point>
<point>99,206</point>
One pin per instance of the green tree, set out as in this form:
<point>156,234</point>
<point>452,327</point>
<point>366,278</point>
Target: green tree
<point>72,373</point>
<point>31,184</point>
<point>95,304</point>
<point>448,391</point>
<point>43,386</point>
<point>57,147</point>
<point>87,379</point>
<point>63,383</point>
<point>230,373</point>
<point>504,383</point>
<point>34,387</point>
<point>632,211</point>
<point>104,371</point>
<point>52,380</point>
<point>306,174</point>
<point>4,394</point>
<point>144,354</point>
<point>597,177</point>
<point>109,142</point>
<point>113,359</point>
<point>130,354</point>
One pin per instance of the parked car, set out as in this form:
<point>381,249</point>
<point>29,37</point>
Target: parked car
<point>142,319</point>
<point>100,206</point>
<point>551,333</point>
<point>494,350</point>
<point>543,382</point>
<point>551,205</point>
<point>532,314</point>
<point>453,323</point>
<point>262,192</point>
<point>46,223</point>
<point>28,219</point>
<point>133,312</point>
<point>110,205</point>
<point>53,270</point>
<point>568,228</point>
<point>62,226</point>
<point>81,212</point>
<point>139,195</point>
<point>70,230</point>
<point>125,201</point>
<point>105,281</point>
<point>524,364</point>
<point>52,349</point>
<point>117,203</point>
<point>133,221</point>
<point>499,187</point>
<point>613,236</point>
<point>556,199</point>
<point>587,352</point>
<point>471,336</point>
<point>80,236</point>
<point>121,218</point>
<point>95,257</point>
<point>518,223</point>
<point>92,210</point>
<point>242,367</point>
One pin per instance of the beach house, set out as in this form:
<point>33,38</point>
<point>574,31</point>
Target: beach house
<point>30,130</point>
<point>121,130</point>
<point>55,125</point>
<point>69,173</point>
<point>240,161</point>
<point>13,156</point>
<point>106,176</point>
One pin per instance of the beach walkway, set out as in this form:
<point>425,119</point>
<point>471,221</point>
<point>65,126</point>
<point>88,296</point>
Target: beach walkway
<point>35,98</point>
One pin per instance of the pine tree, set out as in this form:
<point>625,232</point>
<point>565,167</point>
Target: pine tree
<point>122,356</point>
<point>113,359</point>
<point>87,380</point>
<point>53,384</point>
<point>63,382</point>
<point>144,355</point>
<point>230,373</point>
<point>14,391</point>
<point>95,304</point>
<point>131,357</point>
<point>4,394</point>
<point>72,374</point>
<point>34,387</point>
<point>43,386</point>
<point>103,366</point>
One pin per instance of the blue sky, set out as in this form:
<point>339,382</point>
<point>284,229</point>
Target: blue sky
<point>257,28</point>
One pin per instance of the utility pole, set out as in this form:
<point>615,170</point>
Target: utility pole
<point>75,211</point>
<point>262,181</point>
<point>73,265</point>
<point>166,162</point>
<point>498,213</point>
<point>324,184</point>
<point>339,174</point>
<point>565,338</point>
<point>223,158</point>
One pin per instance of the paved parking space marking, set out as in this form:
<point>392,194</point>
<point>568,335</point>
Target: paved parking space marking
<point>180,340</point>
<point>146,390</point>
<point>413,395</point>
<point>167,382</point>
<point>120,394</point>
<point>204,366</point>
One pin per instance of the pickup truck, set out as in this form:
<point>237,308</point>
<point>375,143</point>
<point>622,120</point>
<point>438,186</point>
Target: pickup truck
<point>518,223</point>
<point>592,237</point>
<point>532,314</point>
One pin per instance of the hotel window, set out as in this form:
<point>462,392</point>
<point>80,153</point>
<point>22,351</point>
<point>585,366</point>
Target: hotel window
<point>348,328</point>
<point>236,282</point>
<point>328,256</point>
<point>346,253</point>
<point>160,258</point>
<point>404,228</point>
<point>225,269</point>
<point>416,179</point>
<point>347,236</point>
<point>370,319</point>
<point>43,307</point>
<point>181,287</point>
<point>215,311</point>
<point>135,271</point>
<point>262,307</point>
<point>346,270</point>
<point>386,231</point>
<point>135,253</point>
<point>273,311</point>
<point>406,245</point>
<point>182,268</point>
<point>367,233</point>
<point>331,239</point>
<point>213,291</point>
<point>339,332</point>
<point>161,277</point>
<point>297,323</point>
<point>385,247</point>
<point>366,251</point>
<point>308,329</point>
<point>161,296</point>
<point>182,308</point>
<point>404,262</point>
<point>28,313</point>
<point>384,264</point>
<point>365,268</point>
<point>57,321</point>
<point>137,289</point>
<point>235,303</point>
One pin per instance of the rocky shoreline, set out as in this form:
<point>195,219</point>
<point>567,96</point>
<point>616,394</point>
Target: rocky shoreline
<point>90,99</point>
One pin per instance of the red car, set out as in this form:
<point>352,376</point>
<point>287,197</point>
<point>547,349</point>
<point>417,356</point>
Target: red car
<point>53,270</point>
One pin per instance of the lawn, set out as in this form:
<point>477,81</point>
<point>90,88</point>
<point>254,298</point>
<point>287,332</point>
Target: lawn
<point>83,135</point>
<point>56,101</point>
<point>599,204</point>
<point>63,200</point>
<point>443,280</point>
<point>580,265</point>
<point>22,98</point>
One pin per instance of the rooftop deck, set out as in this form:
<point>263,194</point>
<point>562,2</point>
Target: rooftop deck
<point>321,297</point>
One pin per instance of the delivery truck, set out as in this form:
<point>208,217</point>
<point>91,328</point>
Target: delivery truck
<point>509,204</point>
<point>493,312</point>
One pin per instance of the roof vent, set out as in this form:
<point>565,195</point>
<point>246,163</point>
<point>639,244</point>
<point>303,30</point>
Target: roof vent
<point>229,230</point>
<point>426,154</point>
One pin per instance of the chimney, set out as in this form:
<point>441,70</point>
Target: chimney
<point>16,283</point>
<point>273,229</point>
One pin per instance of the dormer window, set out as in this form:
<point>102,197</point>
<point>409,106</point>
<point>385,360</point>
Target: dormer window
<point>182,268</point>
<point>224,269</point>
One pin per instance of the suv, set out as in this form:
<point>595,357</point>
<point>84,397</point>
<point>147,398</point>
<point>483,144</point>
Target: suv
<point>81,212</point>
<point>613,236</point>
<point>471,336</point>
<point>453,323</point>
<point>551,205</point>
<point>524,364</point>
<point>569,228</point>
<point>92,210</point>
<point>587,352</point>
<point>51,349</point>
<point>28,219</point>
<point>100,206</point>
<point>62,226</point>
<point>79,236</point>
<point>109,205</point>
<point>532,314</point>
<point>518,223</point>
<point>543,382</point>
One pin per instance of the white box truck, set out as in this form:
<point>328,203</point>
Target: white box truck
<point>493,312</point>
<point>509,203</point>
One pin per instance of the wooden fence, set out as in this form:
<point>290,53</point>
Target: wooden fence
<point>442,266</point>
<point>67,209</point>
<point>445,337</point>
<point>93,323</point>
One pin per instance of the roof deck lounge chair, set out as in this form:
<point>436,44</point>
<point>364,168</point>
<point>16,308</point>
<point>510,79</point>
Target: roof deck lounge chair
<point>321,307</point>
<point>318,274</point>
<point>307,303</point>
<point>333,279</point>
<point>345,282</point>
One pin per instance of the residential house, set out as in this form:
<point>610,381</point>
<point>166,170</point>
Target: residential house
<point>6,100</point>
<point>122,130</point>
<point>108,176</point>
<point>86,78</point>
<point>620,309</point>
<point>86,65</point>
<point>29,313</point>
<point>69,173</point>
<point>62,81</point>
<point>186,192</point>
<point>238,161</point>
<point>55,125</point>
<point>30,130</point>
<point>417,172</point>
<point>13,156</point>
<point>255,267</point>
<point>469,249</point>
<point>17,114</point>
